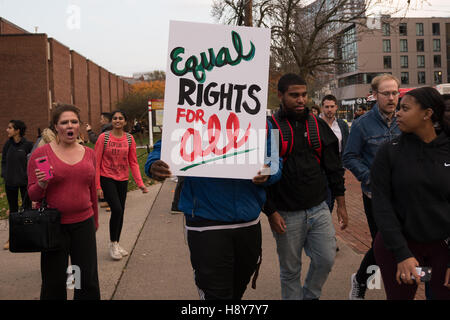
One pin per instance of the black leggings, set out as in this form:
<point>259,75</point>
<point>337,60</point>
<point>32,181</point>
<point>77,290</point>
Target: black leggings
<point>224,260</point>
<point>115,193</point>
<point>12,194</point>
<point>80,244</point>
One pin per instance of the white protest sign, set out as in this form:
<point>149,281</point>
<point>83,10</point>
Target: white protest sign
<point>215,100</point>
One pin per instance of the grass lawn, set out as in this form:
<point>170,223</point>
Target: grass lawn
<point>141,156</point>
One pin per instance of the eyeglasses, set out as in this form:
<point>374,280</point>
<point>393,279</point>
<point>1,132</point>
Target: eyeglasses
<point>389,93</point>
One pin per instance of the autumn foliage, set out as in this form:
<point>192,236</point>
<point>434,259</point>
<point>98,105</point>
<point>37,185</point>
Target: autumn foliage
<point>136,102</point>
<point>150,89</point>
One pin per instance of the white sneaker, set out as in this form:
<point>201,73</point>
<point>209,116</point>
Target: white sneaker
<point>122,251</point>
<point>114,251</point>
<point>357,291</point>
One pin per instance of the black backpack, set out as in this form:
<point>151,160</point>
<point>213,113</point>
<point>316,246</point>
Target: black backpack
<point>287,135</point>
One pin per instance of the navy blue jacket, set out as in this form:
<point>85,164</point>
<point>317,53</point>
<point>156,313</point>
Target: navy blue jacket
<point>367,134</point>
<point>219,199</point>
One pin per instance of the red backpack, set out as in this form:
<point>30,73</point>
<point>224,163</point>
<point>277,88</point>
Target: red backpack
<point>287,135</point>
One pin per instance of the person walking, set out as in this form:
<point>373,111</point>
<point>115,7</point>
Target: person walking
<point>115,152</point>
<point>412,211</point>
<point>298,214</point>
<point>366,135</point>
<point>72,191</point>
<point>14,166</point>
<point>223,226</point>
<point>340,130</point>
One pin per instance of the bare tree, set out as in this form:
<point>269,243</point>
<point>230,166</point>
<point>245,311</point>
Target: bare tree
<point>242,12</point>
<point>308,38</point>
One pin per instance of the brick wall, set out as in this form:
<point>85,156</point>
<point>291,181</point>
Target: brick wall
<point>59,71</point>
<point>120,94</point>
<point>79,75</point>
<point>24,83</point>
<point>104,88</point>
<point>94,95</point>
<point>113,85</point>
<point>7,27</point>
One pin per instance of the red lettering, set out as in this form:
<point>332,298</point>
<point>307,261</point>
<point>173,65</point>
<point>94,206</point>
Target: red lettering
<point>180,113</point>
<point>214,130</point>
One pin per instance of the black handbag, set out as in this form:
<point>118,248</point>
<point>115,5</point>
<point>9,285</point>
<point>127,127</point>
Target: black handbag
<point>35,230</point>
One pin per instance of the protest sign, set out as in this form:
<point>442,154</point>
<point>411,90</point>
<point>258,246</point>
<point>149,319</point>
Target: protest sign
<point>215,100</point>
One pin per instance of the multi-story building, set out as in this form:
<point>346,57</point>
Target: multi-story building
<point>37,71</point>
<point>416,50</point>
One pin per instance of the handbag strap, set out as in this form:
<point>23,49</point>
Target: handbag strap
<point>24,200</point>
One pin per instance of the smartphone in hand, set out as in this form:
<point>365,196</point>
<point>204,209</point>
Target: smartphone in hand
<point>43,165</point>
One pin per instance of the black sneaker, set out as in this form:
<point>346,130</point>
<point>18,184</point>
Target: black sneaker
<point>357,291</point>
<point>175,210</point>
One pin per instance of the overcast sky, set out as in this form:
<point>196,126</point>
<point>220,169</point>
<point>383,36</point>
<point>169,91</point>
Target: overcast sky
<point>127,36</point>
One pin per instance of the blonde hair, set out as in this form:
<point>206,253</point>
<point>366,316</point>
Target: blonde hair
<point>47,136</point>
<point>378,79</point>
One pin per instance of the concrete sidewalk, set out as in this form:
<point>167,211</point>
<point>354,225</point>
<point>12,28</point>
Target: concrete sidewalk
<point>158,266</point>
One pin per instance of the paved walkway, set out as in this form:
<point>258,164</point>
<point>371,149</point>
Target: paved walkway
<point>158,266</point>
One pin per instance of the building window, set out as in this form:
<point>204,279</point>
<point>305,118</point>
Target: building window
<point>420,61</point>
<point>403,29</point>
<point>405,77</point>
<point>436,29</point>
<point>387,62</point>
<point>437,61</point>
<point>347,51</point>
<point>436,44</point>
<point>421,77</point>
<point>403,61</point>
<point>419,29</point>
<point>420,45</point>
<point>386,29</point>
<point>437,77</point>
<point>386,45</point>
<point>403,45</point>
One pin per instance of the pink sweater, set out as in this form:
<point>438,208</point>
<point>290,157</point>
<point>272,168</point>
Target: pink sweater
<point>113,161</point>
<point>71,190</point>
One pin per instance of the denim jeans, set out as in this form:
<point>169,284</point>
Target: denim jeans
<point>313,230</point>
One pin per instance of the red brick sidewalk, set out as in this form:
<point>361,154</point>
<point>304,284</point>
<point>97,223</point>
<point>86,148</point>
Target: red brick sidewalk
<point>357,234</point>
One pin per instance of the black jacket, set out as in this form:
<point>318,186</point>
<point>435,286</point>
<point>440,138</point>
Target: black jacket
<point>14,162</point>
<point>93,137</point>
<point>411,192</point>
<point>303,184</point>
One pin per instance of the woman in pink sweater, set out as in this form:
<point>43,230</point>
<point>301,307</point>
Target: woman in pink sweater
<point>116,151</point>
<point>72,191</point>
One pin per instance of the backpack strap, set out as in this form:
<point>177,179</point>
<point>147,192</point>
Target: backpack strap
<point>129,139</point>
<point>107,133</point>
<point>286,134</point>
<point>312,129</point>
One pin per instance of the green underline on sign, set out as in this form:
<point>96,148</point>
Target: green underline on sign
<point>215,159</point>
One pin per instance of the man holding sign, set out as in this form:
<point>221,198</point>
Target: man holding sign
<point>218,81</point>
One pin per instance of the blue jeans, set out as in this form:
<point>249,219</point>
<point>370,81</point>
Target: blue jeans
<point>313,230</point>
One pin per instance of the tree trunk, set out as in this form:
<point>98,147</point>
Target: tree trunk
<point>248,13</point>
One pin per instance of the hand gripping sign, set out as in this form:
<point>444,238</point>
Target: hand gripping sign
<point>215,100</point>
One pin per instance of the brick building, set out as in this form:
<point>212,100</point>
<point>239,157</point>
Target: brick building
<point>37,71</point>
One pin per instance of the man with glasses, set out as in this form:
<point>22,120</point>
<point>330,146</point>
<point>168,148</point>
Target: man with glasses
<point>366,135</point>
